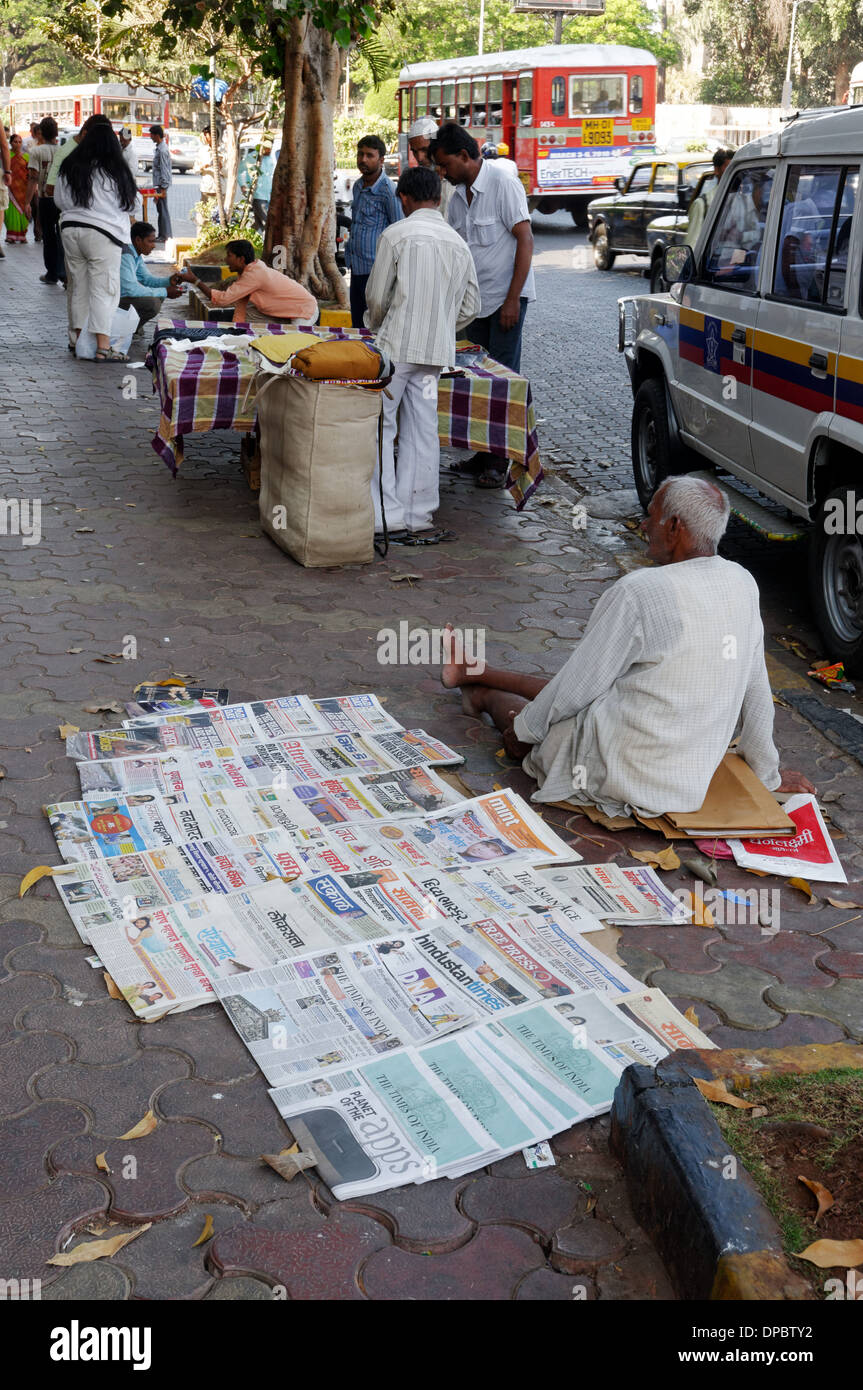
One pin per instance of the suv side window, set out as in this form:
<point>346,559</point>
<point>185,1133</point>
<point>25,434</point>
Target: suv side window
<point>734,251</point>
<point>639,179</point>
<point>814,232</point>
<point>665,178</point>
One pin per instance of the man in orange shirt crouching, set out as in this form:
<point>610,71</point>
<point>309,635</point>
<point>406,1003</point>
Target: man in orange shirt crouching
<point>274,295</point>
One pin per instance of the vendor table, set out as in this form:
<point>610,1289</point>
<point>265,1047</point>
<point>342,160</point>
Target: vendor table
<point>484,407</point>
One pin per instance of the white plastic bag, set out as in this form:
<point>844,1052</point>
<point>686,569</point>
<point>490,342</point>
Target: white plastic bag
<point>123,325</point>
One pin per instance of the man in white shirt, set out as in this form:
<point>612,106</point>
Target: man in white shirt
<point>489,210</point>
<point>422,288</point>
<point>670,667</point>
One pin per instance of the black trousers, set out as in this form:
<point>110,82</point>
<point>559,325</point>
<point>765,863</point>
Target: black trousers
<point>164,218</point>
<point>357,291</point>
<point>52,246</point>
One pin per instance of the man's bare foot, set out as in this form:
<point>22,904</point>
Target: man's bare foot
<point>452,673</point>
<point>472,701</point>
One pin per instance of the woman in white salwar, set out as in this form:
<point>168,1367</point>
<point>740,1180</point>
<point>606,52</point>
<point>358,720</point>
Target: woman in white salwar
<point>669,670</point>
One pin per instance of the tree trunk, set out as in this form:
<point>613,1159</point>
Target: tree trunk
<point>841,81</point>
<point>300,232</point>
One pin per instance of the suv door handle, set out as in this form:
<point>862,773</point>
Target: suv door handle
<point>818,361</point>
<point>739,336</point>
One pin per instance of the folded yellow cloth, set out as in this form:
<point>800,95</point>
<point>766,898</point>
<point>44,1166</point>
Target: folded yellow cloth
<point>339,359</point>
<point>278,347</point>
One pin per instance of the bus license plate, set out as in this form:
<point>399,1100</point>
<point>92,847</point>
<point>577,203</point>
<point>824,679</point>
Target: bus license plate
<point>597,132</point>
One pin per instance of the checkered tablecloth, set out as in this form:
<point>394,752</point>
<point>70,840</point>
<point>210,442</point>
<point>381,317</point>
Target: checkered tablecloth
<point>487,408</point>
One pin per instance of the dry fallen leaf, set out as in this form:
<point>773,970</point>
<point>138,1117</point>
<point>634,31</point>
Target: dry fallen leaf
<point>145,1126</point>
<point>73,651</point>
<point>207,1231</point>
<point>289,1163</point>
<point>397,578</point>
<point>701,914</point>
<point>41,871</point>
<point>701,868</point>
<point>113,708</point>
<point>803,886</point>
<point>591,1203</point>
<point>662,858</point>
<point>822,1194</point>
<point>719,1092</point>
<point>84,530</point>
<point>759,873</point>
<point>66,730</point>
<point>107,660</point>
<point>838,902</point>
<point>97,1249</point>
<point>692,1016</point>
<point>757,1112</point>
<point>829,1253</point>
<point>111,986</point>
<point>102,1162</point>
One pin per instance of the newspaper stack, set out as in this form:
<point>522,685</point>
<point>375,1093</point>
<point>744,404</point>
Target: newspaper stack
<point>409,969</point>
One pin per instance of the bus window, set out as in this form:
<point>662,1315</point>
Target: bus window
<point>148,112</point>
<point>404,110</point>
<point>480,111</point>
<point>434,100</point>
<point>117,110</point>
<point>525,98</point>
<point>449,111</point>
<point>463,96</point>
<point>558,96</point>
<point>422,100</point>
<point>597,96</point>
<point>495,101</point>
<point>636,94</point>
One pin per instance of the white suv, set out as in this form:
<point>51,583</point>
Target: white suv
<point>753,364</point>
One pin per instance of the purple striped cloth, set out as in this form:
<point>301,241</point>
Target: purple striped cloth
<point>484,407</point>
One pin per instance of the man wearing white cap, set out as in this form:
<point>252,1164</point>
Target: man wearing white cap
<point>420,136</point>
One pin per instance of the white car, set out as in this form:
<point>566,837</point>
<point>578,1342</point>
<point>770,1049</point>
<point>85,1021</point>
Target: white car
<point>752,366</point>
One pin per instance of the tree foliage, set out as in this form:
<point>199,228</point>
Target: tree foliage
<point>746,44</point>
<point>29,58</point>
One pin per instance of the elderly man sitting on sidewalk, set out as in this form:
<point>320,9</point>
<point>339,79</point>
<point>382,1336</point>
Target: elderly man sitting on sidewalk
<point>139,289</point>
<point>670,667</point>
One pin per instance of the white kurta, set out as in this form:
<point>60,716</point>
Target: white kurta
<point>670,668</point>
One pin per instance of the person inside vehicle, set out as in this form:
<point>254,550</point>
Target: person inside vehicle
<point>670,666</point>
<point>699,206</point>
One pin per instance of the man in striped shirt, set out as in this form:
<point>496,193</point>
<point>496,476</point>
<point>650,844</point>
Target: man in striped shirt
<point>374,207</point>
<point>422,289</point>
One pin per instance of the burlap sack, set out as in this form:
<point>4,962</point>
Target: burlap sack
<point>319,445</point>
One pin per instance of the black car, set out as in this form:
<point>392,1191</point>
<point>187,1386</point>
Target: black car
<point>618,222</point>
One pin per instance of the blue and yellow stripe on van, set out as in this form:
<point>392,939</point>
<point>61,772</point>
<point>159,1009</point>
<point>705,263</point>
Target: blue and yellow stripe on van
<point>849,388</point>
<point>781,368</point>
<point>706,341</point>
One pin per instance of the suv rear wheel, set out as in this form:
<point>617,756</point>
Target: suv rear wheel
<point>603,256</point>
<point>654,458</point>
<point>657,281</point>
<point>836,580</point>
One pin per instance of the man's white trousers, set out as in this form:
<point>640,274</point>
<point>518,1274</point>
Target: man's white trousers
<point>411,494</point>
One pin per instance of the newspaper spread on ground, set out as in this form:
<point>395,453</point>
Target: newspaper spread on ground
<point>271,763</point>
<point>236,725</point>
<point>627,895</point>
<point>654,1011</point>
<point>172,699</point>
<point>809,852</point>
<point>466,1100</point>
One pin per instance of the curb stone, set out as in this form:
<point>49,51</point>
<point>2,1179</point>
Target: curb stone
<point>717,1238</point>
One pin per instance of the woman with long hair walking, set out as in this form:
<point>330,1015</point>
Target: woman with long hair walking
<point>95,193</point>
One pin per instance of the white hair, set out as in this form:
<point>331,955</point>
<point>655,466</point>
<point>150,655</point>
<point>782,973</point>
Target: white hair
<point>426,126</point>
<point>699,506</point>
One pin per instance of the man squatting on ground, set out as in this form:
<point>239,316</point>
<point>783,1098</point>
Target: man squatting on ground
<point>670,666</point>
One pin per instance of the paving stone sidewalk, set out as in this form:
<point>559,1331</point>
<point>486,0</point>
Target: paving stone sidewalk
<point>182,567</point>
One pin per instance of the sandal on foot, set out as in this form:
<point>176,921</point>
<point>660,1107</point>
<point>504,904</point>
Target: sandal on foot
<point>109,355</point>
<point>490,479</point>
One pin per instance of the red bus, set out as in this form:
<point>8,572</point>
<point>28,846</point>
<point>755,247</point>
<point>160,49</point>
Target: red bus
<point>137,108</point>
<point>574,115</point>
